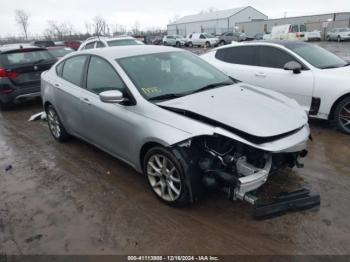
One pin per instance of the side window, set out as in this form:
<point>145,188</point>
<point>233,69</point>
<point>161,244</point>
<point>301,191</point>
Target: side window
<point>295,28</point>
<point>243,55</point>
<point>230,34</point>
<point>274,57</point>
<point>90,45</point>
<point>202,36</point>
<point>73,69</point>
<point>100,45</point>
<point>59,69</point>
<point>190,37</point>
<point>102,77</point>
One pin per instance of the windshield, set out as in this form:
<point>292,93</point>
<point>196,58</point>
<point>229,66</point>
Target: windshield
<point>26,57</point>
<point>175,73</point>
<point>122,42</point>
<point>318,57</point>
<point>60,52</point>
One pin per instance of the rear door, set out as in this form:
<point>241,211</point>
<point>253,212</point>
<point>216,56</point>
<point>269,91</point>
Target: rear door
<point>27,65</point>
<point>238,62</point>
<point>68,88</point>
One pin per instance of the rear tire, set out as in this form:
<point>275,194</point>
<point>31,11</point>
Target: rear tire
<point>328,38</point>
<point>339,39</point>
<point>342,115</point>
<point>166,177</point>
<point>55,125</point>
<point>178,44</point>
<point>222,42</point>
<point>207,45</point>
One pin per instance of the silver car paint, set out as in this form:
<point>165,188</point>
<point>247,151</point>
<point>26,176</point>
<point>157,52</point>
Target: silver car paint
<point>123,130</point>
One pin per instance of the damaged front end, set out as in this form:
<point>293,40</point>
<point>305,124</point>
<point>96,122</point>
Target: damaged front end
<point>236,168</point>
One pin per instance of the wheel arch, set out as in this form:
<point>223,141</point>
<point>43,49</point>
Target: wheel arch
<point>145,148</point>
<point>331,114</point>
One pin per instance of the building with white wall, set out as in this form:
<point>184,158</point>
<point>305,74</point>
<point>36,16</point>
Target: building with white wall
<point>216,22</point>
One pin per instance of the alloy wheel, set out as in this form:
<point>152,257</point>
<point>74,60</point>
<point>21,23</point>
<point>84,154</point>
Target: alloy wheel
<point>164,177</point>
<point>54,123</point>
<point>344,117</point>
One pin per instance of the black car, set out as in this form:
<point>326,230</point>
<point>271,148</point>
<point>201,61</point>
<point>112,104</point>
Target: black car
<point>20,70</point>
<point>43,43</point>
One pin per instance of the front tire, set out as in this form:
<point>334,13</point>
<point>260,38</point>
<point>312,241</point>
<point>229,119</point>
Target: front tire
<point>207,45</point>
<point>55,125</point>
<point>190,44</point>
<point>342,115</point>
<point>339,39</point>
<point>166,177</point>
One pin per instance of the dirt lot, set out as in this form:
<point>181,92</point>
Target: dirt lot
<point>74,199</point>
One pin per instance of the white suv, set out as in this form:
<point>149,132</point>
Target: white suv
<point>202,39</point>
<point>100,42</point>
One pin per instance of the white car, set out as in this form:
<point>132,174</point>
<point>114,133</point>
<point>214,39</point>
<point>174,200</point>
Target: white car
<point>174,40</point>
<point>101,42</point>
<point>313,36</point>
<point>202,39</point>
<point>317,79</point>
<point>339,34</point>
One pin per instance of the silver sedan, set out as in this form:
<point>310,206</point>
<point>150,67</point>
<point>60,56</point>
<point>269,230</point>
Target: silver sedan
<point>175,118</point>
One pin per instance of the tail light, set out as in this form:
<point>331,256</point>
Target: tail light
<point>7,91</point>
<point>7,74</point>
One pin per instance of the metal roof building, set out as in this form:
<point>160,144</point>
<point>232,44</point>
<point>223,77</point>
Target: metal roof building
<point>216,22</point>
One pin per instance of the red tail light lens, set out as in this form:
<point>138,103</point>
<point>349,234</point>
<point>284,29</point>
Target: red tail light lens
<point>8,74</point>
<point>7,91</point>
<point>3,72</point>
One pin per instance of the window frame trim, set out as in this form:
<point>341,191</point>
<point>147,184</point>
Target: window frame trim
<point>85,78</point>
<point>82,76</point>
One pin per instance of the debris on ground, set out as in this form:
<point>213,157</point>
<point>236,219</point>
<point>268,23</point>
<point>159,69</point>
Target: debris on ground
<point>31,239</point>
<point>37,116</point>
<point>8,168</point>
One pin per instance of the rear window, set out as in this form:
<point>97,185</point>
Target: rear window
<point>26,57</point>
<point>61,52</point>
<point>123,42</point>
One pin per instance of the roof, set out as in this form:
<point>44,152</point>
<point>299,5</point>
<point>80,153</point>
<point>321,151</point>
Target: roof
<point>221,14</point>
<point>13,47</point>
<point>286,43</point>
<point>128,51</point>
<point>107,39</point>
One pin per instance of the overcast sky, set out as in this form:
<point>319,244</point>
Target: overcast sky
<point>149,13</point>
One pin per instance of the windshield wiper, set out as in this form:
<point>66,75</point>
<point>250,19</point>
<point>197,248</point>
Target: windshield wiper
<point>212,86</point>
<point>165,97</point>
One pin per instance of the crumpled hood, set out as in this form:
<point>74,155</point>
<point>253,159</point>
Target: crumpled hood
<point>249,109</point>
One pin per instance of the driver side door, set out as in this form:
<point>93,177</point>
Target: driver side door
<point>109,126</point>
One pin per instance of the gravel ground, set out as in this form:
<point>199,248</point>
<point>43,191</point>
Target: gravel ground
<point>72,198</point>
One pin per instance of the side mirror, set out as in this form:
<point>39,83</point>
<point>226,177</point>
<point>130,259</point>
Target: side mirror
<point>293,66</point>
<point>112,97</point>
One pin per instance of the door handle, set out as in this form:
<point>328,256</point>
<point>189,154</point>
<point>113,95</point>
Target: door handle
<point>85,100</point>
<point>57,86</point>
<point>260,74</point>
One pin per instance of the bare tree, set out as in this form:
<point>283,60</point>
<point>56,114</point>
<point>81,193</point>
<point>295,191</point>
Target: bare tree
<point>209,10</point>
<point>100,25</point>
<point>174,19</point>
<point>59,31</point>
<point>136,28</point>
<point>22,19</point>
